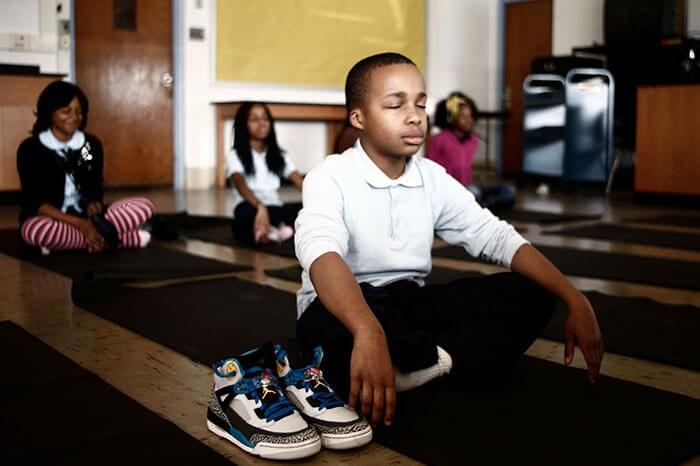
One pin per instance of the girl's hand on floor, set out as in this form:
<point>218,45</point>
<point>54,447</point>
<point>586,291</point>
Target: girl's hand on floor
<point>372,377</point>
<point>581,329</point>
<point>261,225</point>
<point>95,241</point>
<point>94,208</point>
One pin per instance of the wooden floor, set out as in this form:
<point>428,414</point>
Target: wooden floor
<point>177,388</point>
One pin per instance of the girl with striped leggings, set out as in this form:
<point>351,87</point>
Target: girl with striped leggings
<point>60,170</point>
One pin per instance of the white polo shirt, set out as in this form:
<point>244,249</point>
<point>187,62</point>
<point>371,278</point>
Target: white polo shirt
<point>384,228</point>
<point>264,183</point>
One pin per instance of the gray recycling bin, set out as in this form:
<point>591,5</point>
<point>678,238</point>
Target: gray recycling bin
<point>544,118</point>
<point>589,124</point>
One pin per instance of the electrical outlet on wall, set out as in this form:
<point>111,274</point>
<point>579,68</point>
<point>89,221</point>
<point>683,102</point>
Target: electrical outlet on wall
<point>20,41</point>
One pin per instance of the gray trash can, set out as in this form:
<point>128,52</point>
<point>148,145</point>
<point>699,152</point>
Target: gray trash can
<point>544,117</point>
<point>589,124</point>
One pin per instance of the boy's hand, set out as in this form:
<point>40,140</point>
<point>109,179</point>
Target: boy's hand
<point>581,328</point>
<point>372,377</point>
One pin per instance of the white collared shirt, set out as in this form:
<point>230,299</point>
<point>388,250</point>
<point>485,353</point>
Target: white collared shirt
<point>71,196</point>
<point>384,228</point>
<point>264,183</point>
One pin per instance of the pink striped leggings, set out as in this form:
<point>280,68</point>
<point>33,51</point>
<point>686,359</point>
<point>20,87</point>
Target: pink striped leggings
<point>127,215</point>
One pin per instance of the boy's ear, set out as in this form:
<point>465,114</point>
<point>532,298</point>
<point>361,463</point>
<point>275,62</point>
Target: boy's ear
<point>357,119</point>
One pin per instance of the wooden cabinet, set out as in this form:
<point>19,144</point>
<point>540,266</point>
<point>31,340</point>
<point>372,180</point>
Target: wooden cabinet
<point>668,140</point>
<point>17,105</point>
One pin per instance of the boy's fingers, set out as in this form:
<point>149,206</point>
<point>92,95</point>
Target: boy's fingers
<point>354,392</point>
<point>569,348</point>
<point>390,400</point>
<point>366,399</point>
<point>378,406</point>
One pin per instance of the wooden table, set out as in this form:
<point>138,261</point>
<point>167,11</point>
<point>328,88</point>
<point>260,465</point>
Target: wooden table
<point>17,104</point>
<point>332,115</point>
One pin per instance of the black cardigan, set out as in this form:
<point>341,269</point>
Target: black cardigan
<point>43,176</point>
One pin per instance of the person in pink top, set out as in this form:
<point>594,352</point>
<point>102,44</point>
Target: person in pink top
<point>454,148</point>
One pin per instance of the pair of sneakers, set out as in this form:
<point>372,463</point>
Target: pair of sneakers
<point>280,413</point>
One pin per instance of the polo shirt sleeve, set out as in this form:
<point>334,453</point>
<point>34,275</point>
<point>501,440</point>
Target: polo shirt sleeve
<point>233,163</point>
<point>320,227</point>
<point>462,221</point>
<point>289,166</point>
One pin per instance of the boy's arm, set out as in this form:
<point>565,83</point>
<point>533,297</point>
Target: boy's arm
<point>321,241</point>
<point>581,326</point>
<point>371,371</point>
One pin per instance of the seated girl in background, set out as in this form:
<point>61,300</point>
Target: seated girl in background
<point>60,170</point>
<point>256,166</point>
<point>454,148</point>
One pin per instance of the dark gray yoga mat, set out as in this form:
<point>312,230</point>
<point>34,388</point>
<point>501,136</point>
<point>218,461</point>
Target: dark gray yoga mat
<point>675,220</point>
<point>544,414</point>
<point>633,235</point>
<point>437,275</point>
<point>56,412</point>
<point>536,216</point>
<point>205,320</point>
<point>222,235</point>
<point>214,229</point>
<point>669,273</point>
<point>637,327</point>
<point>151,263</point>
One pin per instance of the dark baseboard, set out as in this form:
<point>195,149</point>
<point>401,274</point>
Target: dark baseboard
<point>665,199</point>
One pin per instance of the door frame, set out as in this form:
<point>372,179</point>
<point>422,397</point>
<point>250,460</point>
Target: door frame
<point>501,74</point>
<point>178,112</point>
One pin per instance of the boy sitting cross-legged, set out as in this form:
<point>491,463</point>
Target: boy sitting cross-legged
<point>364,238</point>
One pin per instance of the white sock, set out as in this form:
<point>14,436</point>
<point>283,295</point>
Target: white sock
<point>144,238</point>
<point>410,380</point>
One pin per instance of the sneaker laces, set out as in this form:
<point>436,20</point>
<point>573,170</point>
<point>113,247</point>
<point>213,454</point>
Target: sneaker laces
<point>312,379</point>
<point>260,383</point>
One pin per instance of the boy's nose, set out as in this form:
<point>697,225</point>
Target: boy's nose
<point>413,116</point>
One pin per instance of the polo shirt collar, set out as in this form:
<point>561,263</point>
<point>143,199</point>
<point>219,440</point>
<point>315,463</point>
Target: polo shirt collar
<point>74,143</point>
<point>376,178</point>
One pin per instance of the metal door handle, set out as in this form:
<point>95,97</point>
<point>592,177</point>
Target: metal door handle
<point>166,80</point>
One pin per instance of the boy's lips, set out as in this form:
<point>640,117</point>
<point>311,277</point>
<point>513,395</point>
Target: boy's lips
<point>413,138</point>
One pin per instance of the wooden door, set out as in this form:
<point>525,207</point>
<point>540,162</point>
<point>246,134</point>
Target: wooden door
<point>121,59</point>
<point>528,34</point>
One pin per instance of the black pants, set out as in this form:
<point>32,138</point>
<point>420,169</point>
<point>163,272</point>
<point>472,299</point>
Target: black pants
<point>484,323</point>
<point>244,218</point>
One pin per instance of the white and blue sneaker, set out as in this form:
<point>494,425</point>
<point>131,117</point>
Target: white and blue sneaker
<point>339,426</point>
<point>248,409</point>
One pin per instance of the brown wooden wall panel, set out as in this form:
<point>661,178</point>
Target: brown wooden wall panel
<point>668,140</point>
<point>17,104</point>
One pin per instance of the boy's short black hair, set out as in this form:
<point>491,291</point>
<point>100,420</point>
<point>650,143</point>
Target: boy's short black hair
<point>357,82</point>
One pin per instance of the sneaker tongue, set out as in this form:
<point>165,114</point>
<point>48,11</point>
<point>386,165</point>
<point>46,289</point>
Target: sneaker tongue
<point>314,376</point>
<point>230,368</point>
<point>267,388</point>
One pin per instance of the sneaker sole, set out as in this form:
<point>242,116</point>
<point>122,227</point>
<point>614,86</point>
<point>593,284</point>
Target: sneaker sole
<point>271,451</point>
<point>346,442</point>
